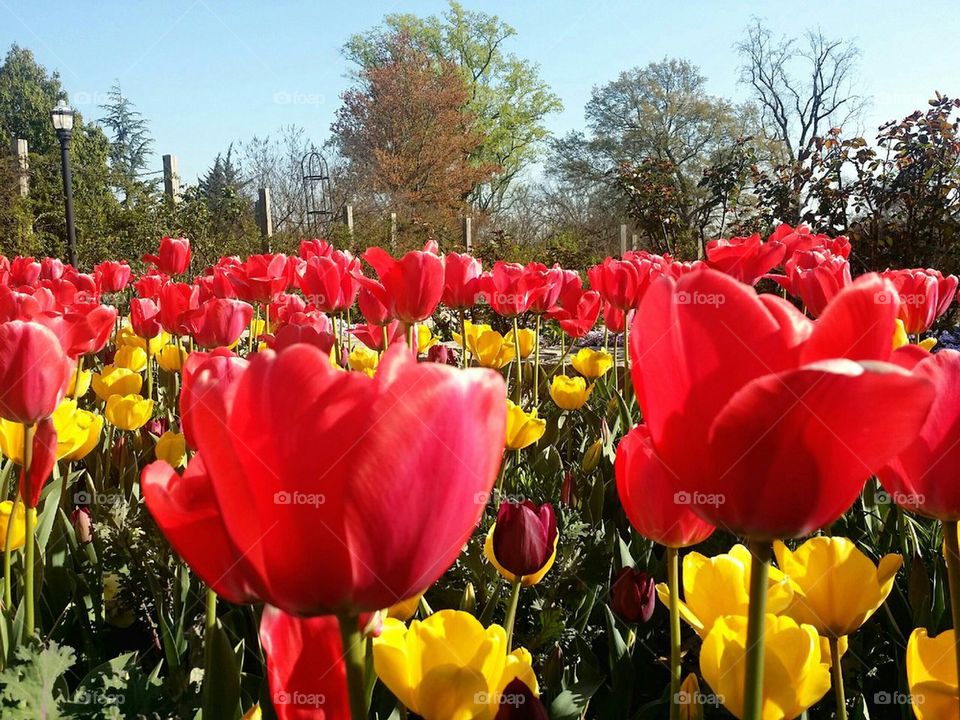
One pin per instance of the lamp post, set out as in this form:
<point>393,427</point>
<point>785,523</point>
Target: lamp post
<point>62,116</point>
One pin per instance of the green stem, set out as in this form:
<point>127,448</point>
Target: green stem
<point>536,364</point>
<point>756,619</point>
<point>7,552</point>
<point>412,339</point>
<point>336,342</point>
<point>149,372</point>
<point>673,583</point>
<point>511,617</point>
<point>463,339</point>
<point>952,548</point>
<point>837,679</point>
<point>354,650</point>
<point>211,617</point>
<point>516,347</point>
<point>626,363</point>
<point>28,620</point>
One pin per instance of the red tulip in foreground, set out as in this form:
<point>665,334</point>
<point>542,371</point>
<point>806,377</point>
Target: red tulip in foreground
<point>319,473</point>
<point>925,295</point>
<point>414,282</point>
<point>173,258</point>
<point>773,420</point>
<point>34,372</point>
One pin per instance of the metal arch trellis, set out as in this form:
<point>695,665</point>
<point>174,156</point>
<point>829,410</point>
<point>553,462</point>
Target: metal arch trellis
<point>318,198</point>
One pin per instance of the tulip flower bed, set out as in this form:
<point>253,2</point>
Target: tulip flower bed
<point>324,486</point>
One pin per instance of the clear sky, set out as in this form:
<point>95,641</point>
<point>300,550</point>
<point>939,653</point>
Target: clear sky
<point>206,72</point>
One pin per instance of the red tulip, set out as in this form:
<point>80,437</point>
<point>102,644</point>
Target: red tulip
<point>4,269</point>
<point>204,374</point>
<point>321,473</point>
<point>187,513</point>
<point>308,678</point>
<point>746,258</point>
<point>925,295</point>
<point>375,302</point>
<point>24,271</point>
<point>261,278</point>
<point>800,238</point>
<point>34,372</point>
<point>173,257</point>
<point>84,284</point>
<point>508,288</point>
<point>461,280</point>
<point>440,354</point>
<point>655,508</point>
<point>615,319</point>
<point>145,317</point>
<point>82,330</point>
<point>149,285</point>
<point>414,282</point>
<point>923,477</point>
<point>284,306</point>
<point>44,457</point>
<point>372,335</point>
<point>218,323</point>
<point>633,595</point>
<point>329,282</point>
<point>524,537</point>
<point>578,319</point>
<point>815,276</point>
<point>315,248</point>
<point>773,422</point>
<point>292,334</point>
<point>177,301</point>
<point>17,305</point>
<point>51,268</point>
<point>547,284</point>
<point>112,277</point>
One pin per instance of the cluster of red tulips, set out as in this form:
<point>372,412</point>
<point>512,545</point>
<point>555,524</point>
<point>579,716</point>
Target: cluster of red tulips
<point>335,463</point>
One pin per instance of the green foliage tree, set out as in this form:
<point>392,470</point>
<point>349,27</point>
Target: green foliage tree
<point>131,145</point>
<point>505,93</point>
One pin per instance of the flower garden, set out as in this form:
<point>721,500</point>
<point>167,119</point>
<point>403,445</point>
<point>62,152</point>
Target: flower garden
<point>321,485</point>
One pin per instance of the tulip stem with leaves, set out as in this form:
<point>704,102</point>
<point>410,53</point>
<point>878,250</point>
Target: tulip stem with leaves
<point>511,617</point>
<point>756,618</point>
<point>354,658</point>
<point>464,362</point>
<point>837,673</point>
<point>211,614</point>
<point>516,346</point>
<point>7,552</point>
<point>536,364</point>
<point>952,552</point>
<point>673,584</point>
<point>28,434</point>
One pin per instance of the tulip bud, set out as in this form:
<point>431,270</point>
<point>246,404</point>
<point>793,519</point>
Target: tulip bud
<point>440,354</point>
<point>468,601</point>
<point>553,668</point>
<point>82,524</point>
<point>524,536</point>
<point>689,699</point>
<point>517,702</point>
<point>632,595</point>
<point>591,458</point>
<point>568,491</point>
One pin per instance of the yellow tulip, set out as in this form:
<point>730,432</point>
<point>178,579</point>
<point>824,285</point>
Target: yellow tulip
<point>489,348</point>
<point>18,531</point>
<point>932,675</point>
<point>794,676</point>
<point>69,437</point>
<point>425,338</point>
<point>126,336</point>
<point>364,359</point>
<point>928,344</point>
<point>130,357</point>
<point>690,698</point>
<point>448,666</point>
<point>171,358</point>
<point>254,713</point>
<point>172,447</point>
<point>526,580</point>
<point>129,412</point>
<point>719,586</point>
<point>900,338</point>
<point>523,429</point>
<point>592,363</point>
<point>527,340</point>
<point>570,393</point>
<point>88,427</point>
<point>79,385</point>
<point>113,380</point>
<point>836,588</point>
<point>405,609</point>
<point>472,332</point>
<point>591,457</point>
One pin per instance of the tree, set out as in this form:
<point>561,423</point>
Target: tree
<point>653,123</point>
<point>130,141</point>
<point>406,134</point>
<point>505,94</point>
<point>803,88</point>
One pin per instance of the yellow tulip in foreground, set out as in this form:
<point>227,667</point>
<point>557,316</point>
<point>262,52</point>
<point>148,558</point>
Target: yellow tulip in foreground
<point>570,393</point>
<point>794,675</point>
<point>87,428</point>
<point>719,586</point>
<point>172,447</point>
<point>836,587</point>
<point>363,359</point>
<point>114,380</point>
<point>18,532</point>
<point>425,338</point>
<point>448,666</point>
<point>72,433</point>
<point>932,675</point>
<point>129,412</point>
<point>527,580</point>
<point>523,429</point>
<point>527,339</point>
<point>171,358</point>
<point>131,357</point>
<point>592,363</point>
<point>79,383</point>
<point>488,347</point>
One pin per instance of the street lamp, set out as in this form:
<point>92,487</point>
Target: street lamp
<point>62,116</point>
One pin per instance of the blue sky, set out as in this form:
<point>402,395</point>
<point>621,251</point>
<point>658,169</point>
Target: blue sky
<point>205,72</point>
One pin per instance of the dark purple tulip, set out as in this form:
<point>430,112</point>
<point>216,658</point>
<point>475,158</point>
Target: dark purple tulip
<point>440,354</point>
<point>517,702</point>
<point>524,537</point>
<point>632,595</point>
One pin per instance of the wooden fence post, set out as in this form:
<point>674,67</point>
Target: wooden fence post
<point>264,212</point>
<point>348,217</point>
<point>623,240</point>
<point>468,233</point>
<point>171,178</point>
<point>21,151</point>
